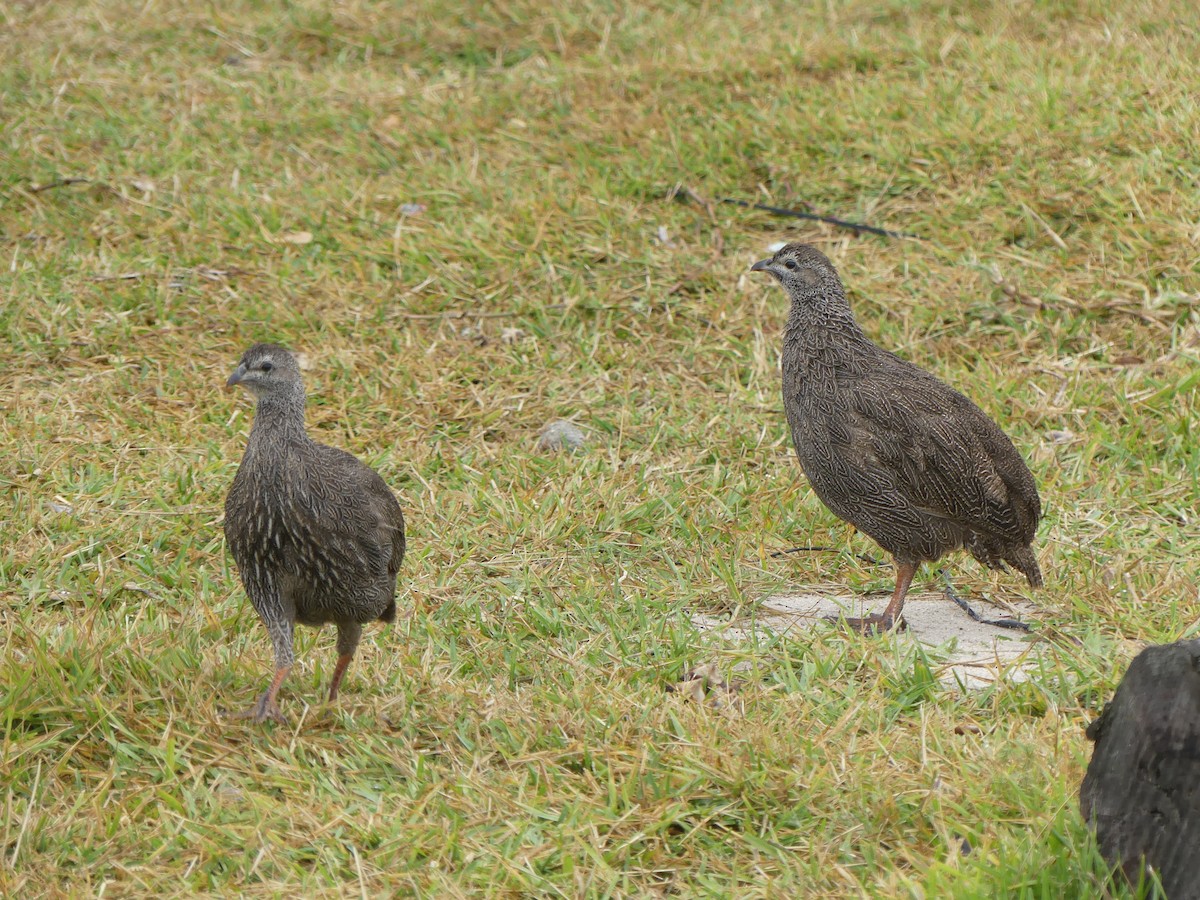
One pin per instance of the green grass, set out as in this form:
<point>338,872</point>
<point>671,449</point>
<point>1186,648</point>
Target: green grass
<point>515,732</point>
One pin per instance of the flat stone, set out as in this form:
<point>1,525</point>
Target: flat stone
<point>560,434</point>
<point>976,654</point>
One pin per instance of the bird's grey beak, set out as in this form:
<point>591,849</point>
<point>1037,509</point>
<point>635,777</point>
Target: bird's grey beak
<point>761,266</point>
<point>238,374</point>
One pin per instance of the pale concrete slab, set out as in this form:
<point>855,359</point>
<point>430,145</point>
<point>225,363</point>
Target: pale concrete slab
<point>976,654</point>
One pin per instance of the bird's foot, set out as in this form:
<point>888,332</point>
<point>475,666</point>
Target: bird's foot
<point>266,709</point>
<point>874,624</point>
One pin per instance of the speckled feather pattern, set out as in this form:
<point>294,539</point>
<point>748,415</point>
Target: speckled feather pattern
<point>891,449</point>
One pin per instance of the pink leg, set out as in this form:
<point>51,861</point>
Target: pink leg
<point>890,618</point>
<point>338,671</point>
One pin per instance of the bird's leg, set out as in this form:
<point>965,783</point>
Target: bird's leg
<point>890,618</point>
<point>267,706</point>
<point>347,643</point>
<point>1014,624</point>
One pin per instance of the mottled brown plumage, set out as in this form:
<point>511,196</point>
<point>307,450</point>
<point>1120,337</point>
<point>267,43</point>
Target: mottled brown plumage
<point>888,447</point>
<point>317,536</point>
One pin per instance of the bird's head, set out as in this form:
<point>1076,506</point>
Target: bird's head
<point>811,282</point>
<point>266,370</point>
<point>800,268</point>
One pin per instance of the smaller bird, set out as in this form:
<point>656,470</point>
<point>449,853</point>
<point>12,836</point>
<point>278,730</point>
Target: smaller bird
<point>317,535</point>
<point>890,448</point>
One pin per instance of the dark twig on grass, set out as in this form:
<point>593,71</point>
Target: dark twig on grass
<point>857,227</point>
<point>682,191</point>
<point>861,557</point>
<point>205,272</point>
<point>467,314</point>
<point>460,314</point>
<point>61,182</point>
<point>1014,624</point>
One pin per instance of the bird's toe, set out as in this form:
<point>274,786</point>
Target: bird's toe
<point>870,625</point>
<point>265,710</point>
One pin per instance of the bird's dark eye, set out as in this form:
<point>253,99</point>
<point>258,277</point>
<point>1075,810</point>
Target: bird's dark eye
<point>266,366</point>
<point>791,264</point>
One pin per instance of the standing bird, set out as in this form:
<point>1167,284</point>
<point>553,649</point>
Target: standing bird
<point>317,536</point>
<point>890,448</point>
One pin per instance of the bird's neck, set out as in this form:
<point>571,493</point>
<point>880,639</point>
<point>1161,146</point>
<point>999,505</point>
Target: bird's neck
<point>817,333</point>
<point>280,416</point>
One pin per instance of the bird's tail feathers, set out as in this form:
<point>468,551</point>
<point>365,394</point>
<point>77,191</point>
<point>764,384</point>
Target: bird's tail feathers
<point>1026,563</point>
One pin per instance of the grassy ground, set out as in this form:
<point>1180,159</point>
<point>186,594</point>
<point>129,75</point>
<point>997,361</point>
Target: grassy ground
<point>247,172</point>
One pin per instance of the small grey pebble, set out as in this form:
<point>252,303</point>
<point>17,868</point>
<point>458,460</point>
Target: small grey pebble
<point>558,434</point>
<point>472,332</point>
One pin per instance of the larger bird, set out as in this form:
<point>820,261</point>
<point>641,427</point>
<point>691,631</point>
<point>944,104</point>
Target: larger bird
<point>317,536</point>
<point>890,448</point>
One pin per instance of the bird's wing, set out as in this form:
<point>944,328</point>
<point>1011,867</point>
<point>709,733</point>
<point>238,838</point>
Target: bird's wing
<point>948,459</point>
<point>391,521</point>
<point>333,509</point>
